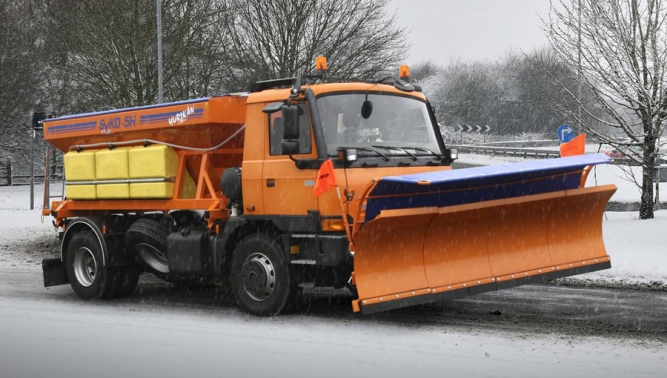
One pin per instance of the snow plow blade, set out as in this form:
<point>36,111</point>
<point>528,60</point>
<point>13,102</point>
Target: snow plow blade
<point>443,235</point>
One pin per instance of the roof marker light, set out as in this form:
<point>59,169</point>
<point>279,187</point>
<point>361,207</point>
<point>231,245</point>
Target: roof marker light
<point>404,73</point>
<point>321,63</point>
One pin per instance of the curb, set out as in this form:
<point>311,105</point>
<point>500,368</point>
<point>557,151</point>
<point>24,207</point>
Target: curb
<point>629,206</point>
<point>653,286</point>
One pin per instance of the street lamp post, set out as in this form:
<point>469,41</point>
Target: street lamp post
<point>160,98</point>
<point>579,67</point>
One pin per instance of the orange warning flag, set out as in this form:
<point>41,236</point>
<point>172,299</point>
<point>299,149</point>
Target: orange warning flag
<point>326,179</point>
<point>576,146</point>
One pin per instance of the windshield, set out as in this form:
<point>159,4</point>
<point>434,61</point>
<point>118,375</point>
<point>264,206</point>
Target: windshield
<point>396,125</point>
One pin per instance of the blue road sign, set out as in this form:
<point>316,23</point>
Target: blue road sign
<point>565,133</point>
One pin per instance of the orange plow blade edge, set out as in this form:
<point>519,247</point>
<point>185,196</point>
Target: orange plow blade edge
<point>521,231</point>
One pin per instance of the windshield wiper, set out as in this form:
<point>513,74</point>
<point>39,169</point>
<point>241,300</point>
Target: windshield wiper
<point>427,150</point>
<point>398,149</point>
<point>385,157</point>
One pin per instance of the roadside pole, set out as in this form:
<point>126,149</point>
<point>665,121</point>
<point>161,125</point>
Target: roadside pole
<point>37,123</point>
<point>657,188</point>
<point>32,169</point>
<point>160,97</point>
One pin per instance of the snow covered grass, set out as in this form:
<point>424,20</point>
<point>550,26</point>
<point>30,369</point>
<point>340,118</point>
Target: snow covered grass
<point>26,235</point>
<point>637,250</point>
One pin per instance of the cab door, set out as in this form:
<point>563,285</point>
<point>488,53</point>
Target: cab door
<point>286,189</point>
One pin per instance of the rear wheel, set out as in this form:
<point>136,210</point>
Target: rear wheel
<point>260,277</point>
<point>147,240</point>
<point>89,277</point>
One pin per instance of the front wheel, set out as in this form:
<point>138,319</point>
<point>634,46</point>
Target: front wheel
<point>89,277</point>
<point>260,277</point>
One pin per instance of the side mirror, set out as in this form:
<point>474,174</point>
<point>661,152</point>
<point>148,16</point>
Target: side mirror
<point>366,109</point>
<point>290,147</point>
<point>290,115</point>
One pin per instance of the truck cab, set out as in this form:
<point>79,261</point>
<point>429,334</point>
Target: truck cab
<point>367,130</point>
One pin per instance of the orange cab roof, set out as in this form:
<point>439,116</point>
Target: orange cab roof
<point>270,95</point>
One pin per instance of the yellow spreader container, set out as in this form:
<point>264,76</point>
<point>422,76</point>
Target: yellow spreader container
<point>125,163</point>
<point>152,190</point>
<point>163,189</point>
<point>152,162</point>
<point>189,188</point>
<point>113,191</point>
<point>80,166</point>
<point>112,164</point>
<point>81,192</point>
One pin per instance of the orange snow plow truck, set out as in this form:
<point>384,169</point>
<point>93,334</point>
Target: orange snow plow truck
<point>221,190</point>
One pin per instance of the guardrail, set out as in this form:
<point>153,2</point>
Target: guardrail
<point>524,143</point>
<point>508,151</point>
<point>6,173</point>
<point>524,153</point>
<point>9,178</point>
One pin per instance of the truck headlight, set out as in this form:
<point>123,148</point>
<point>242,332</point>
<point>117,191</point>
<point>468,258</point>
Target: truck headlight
<point>348,154</point>
<point>454,153</point>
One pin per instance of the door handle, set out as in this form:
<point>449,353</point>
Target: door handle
<point>270,183</point>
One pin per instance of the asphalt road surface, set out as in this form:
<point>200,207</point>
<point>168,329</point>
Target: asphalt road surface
<point>538,308</point>
<point>165,331</point>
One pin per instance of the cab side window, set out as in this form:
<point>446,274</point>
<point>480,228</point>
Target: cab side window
<point>276,128</point>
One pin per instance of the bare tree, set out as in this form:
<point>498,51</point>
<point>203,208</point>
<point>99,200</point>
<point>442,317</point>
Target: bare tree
<point>542,79</point>
<point>19,71</point>
<point>465,93</point>
<point>424,70</point>
<point>519,93</point>
<point>275,39</point>
<point>109,54</point>
<point>623,49</point>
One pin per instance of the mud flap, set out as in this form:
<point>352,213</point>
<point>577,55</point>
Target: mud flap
<point>419,255</point>
<point>54,272</point>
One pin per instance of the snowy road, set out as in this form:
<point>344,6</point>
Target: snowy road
<point>166,332</point>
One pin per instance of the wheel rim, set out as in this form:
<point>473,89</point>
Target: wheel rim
<point>155,258</point>
<point>85,266</point>
<point>259,277</point>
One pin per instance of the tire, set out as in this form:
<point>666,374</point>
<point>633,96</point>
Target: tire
<point>146,239</point>
<point>260,278</point>
<point>89,277</point>
<point>129,278</point>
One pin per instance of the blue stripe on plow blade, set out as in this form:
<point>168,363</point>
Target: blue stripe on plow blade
<point>471,185</point>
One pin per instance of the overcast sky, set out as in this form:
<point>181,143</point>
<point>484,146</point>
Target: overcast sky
<point>441,30</point>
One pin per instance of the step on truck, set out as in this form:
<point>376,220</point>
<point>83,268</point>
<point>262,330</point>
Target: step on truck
<point>222,190</point>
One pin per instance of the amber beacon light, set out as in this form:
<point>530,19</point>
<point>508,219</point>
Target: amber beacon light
<point>404,72</point>
<point>321,63</point>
